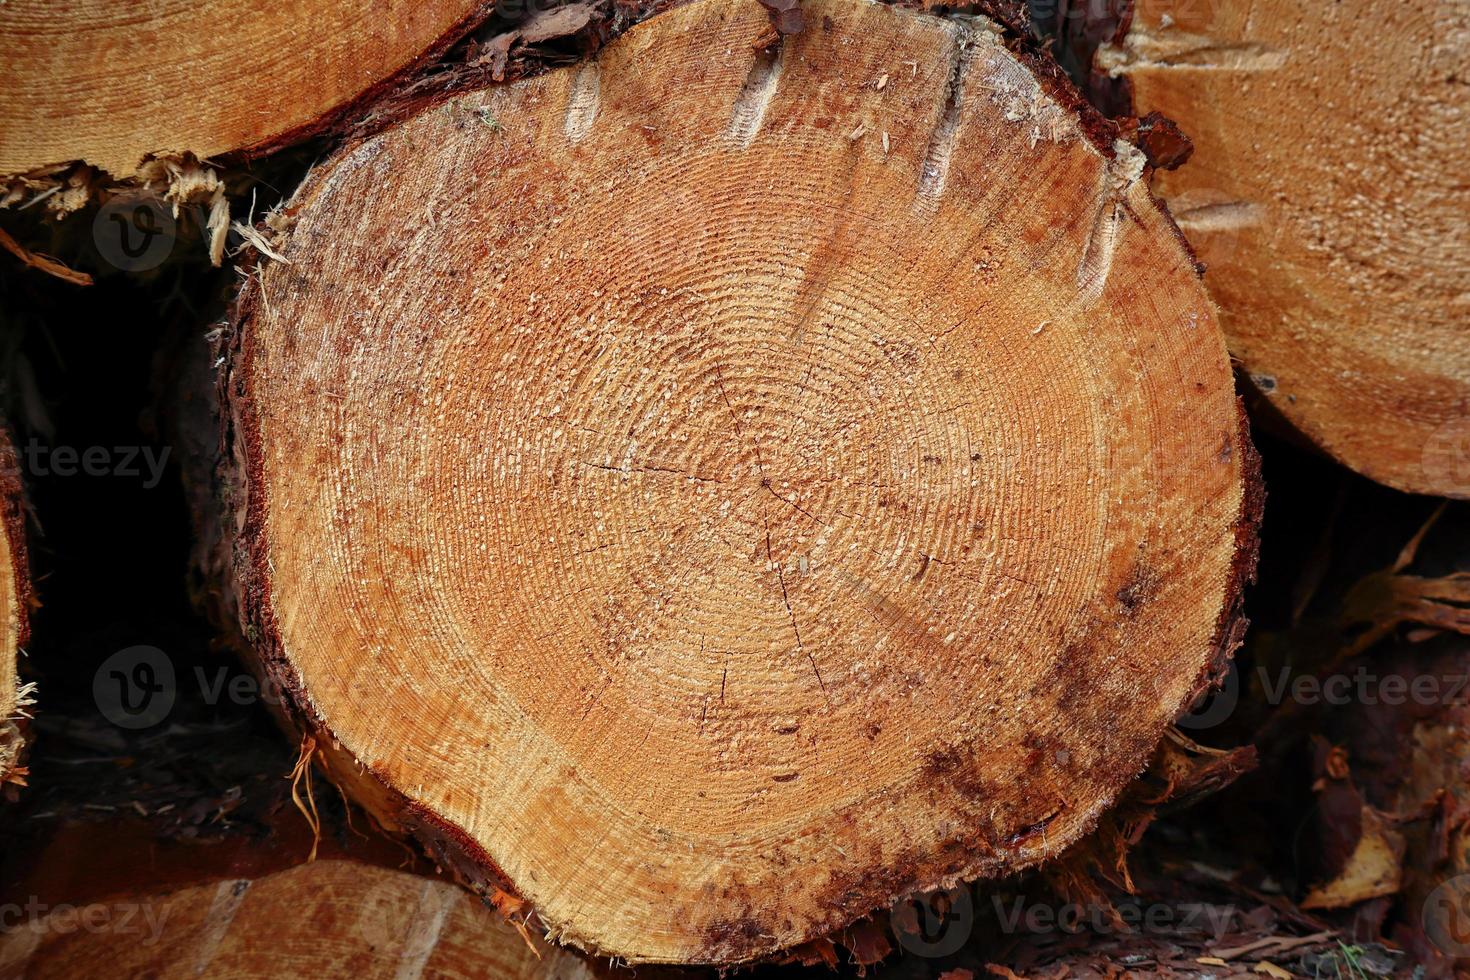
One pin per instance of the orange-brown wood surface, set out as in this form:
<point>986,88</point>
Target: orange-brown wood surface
<point>109,83</point>
<point>329,918</point>
<point>1327,195</point>
<point>713,491</point>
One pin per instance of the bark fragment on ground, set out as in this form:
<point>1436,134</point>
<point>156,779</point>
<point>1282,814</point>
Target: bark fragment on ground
<point>1192,911</point>
<point>1354,692</point>
<point>1402,749</point>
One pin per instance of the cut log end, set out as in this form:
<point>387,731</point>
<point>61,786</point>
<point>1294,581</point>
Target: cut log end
<point>310,920</point>
<point>235,77</point>
<point>1332,218</point>
<point>715,493</point>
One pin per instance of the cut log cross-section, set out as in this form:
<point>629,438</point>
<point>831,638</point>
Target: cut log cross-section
<point>1327,195</point>
<point>714,492</point>
<point>108,84</point>
<point>332,918</point>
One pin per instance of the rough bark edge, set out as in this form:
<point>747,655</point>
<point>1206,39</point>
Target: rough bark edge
<point>15,730</point>
<point>1230,628</point>
<point>246,552</point>
<point>1080,27</point>
<point>1102,128</point>
<point>243,600</point>
<point>1010,18</point>
<point>1103,131</point>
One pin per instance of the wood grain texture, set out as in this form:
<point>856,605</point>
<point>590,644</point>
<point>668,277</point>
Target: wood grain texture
<point>110,82</point>
<point>714,493</point>
<point>330,918</point>
<point>1327,195</point>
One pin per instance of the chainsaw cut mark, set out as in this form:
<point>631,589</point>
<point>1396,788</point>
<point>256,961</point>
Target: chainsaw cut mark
<point>755,96</point>
<point>1183,51</point>
<point>584,102</point>
<point>1223,216</point>
<point>222,908</point>
<point>1096,264</point>
<point>935,171</point>
<point>1097,257</point>
<point>435,903</point>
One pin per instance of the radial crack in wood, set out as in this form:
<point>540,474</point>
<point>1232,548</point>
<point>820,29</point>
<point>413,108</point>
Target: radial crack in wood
<point>111,84</point>
<point>1327,196</point>
<point>685,527</point>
